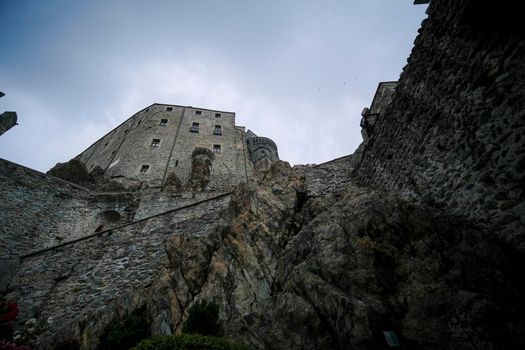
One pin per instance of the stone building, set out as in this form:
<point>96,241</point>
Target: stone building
<point>417,237</point>
<point>165,142</point>
<point>382,98</point>
<point>262,150</point>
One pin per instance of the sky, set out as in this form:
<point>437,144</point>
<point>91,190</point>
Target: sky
<point>297,71</point>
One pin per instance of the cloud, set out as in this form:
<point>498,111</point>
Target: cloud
<point>297,72</point>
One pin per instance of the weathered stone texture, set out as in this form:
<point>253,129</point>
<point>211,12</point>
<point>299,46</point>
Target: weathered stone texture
<point>380,103</point>
<point>304,258</point>
<point>123,151</point>
<point>329,177</point>
<point>73,292</point>
<point>39,211</point>
<point>336,269</point>
<point>454,132</point>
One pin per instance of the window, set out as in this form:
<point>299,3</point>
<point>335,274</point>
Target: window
<point>144,168</point>
<point>217,148</point>
<point>163,122</point>
<point>147,110</point>
<point>195,127</point>
<point>217,115</point>
<point>169,109</point>
<point>198,112</point>
<point>140,121</point>
<point>176,162</point>
<point>217,130</point>
<point>155,143</point>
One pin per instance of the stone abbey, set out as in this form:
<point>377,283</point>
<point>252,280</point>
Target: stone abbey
<point>199,148</point>
<point>414,241</point>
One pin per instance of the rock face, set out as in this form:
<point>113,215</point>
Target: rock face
<point>334,271</point>
<point>75,171</point>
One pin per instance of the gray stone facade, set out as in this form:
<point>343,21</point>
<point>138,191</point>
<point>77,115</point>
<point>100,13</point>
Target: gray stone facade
<point>160,140</point>
<point>382,98</point>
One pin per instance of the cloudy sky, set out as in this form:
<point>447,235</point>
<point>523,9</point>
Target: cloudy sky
<point>297,71</point>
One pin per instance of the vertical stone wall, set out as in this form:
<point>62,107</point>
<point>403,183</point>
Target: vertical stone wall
<point>228,165</point>
<point>38,211</point>
<point>454,132</point>
<point>75,291</point>
<point>159,123</point>
<point>125,150</point>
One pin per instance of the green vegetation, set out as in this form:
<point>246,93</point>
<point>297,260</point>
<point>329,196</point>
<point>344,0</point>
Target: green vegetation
<point>188,342</point>
<point>203,319</point>
<point>126,333</point>
<point>203,332</point>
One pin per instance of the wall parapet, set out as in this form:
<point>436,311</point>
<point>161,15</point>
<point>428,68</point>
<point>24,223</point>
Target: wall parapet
<point>109,231</point>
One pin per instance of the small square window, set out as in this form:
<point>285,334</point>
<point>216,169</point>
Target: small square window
<point>217,148</point>
<point>169,109</point>
<point>147,110</point>
<point>164,122</point>
<point>217,130</point>
<point>198,112</point>
<point>144,168</point>
<point>155,143</point>
<point>217,115</point>
<point>194,127</point>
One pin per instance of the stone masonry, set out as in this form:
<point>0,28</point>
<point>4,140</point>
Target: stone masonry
<point>159,141</point>
<point>310,257</point>
<point>453,134</point>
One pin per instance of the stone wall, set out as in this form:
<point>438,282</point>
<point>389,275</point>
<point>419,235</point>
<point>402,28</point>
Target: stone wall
<point>454,132</point>
<point>126,149</point>
<point>74,291</point>
<point>329,177</point>
<point>38,211</point>
<point>382,98</point>
<point>160,202</point>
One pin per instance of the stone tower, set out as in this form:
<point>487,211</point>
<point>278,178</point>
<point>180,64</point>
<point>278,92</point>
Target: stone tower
<point>263,151</point>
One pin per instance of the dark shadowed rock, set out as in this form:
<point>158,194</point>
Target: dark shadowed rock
<point>73,171</point>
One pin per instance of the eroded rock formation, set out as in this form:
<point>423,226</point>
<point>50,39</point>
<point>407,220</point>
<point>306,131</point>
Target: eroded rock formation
<point>294,271</point>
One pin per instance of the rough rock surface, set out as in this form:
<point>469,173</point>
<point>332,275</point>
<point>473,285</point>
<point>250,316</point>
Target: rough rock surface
<point>173,183</point>
<point>75,171</point>
<point>335,271</point>
<point>454,132</point>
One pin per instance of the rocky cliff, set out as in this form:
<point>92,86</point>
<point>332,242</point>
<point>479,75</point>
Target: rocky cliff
<point>294,270</point>
<point>419,234</point>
